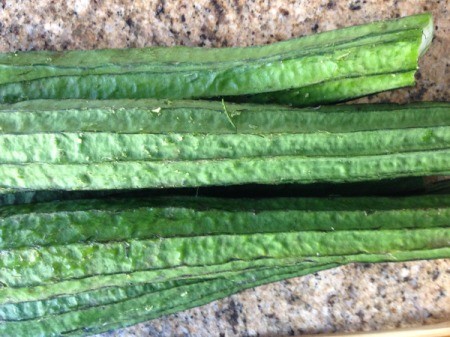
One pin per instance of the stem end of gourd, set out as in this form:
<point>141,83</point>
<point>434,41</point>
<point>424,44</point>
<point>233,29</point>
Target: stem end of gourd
<point>427,36</point>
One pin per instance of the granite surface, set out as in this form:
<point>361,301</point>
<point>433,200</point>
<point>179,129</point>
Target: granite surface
<point>350,298</point>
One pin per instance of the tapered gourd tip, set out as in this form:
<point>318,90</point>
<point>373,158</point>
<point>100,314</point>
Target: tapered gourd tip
<point>427,34</point>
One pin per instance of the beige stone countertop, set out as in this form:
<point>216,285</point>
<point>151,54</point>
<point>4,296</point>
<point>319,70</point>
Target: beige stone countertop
<point>350,298</point>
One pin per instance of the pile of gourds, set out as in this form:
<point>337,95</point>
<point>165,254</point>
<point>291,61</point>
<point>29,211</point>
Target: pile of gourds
<point>140,182</point>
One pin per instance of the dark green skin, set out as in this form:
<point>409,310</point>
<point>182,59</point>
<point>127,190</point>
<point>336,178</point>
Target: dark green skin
<point>77,145</point>
<point>118,219</point>
<point>380,48</point>
<point>188,229</point>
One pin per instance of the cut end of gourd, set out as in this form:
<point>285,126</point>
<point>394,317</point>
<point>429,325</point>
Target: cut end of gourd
<point>427,36</point>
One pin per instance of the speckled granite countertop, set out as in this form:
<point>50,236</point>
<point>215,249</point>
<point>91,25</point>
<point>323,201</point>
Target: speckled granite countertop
<point>350,298</point>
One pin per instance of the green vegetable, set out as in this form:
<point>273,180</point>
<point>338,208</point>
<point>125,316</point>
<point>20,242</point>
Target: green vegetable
<point>330,66</point>
<point>79,267</point>
<point>123,144</point>
<point>118,219</point>
<point>154,301</point>
<point>111,293</point>
<point>26,267</point>
<point>333,91</point>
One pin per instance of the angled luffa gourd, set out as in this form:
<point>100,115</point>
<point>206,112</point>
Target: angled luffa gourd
<point>327,67</point>
<point>130,144</point>
<point>78,267</point>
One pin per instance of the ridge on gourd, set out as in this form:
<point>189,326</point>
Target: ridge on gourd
<point>208,117</point>
<point>125,144</point>
<point>269,170</point>
<point>372,52</point>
